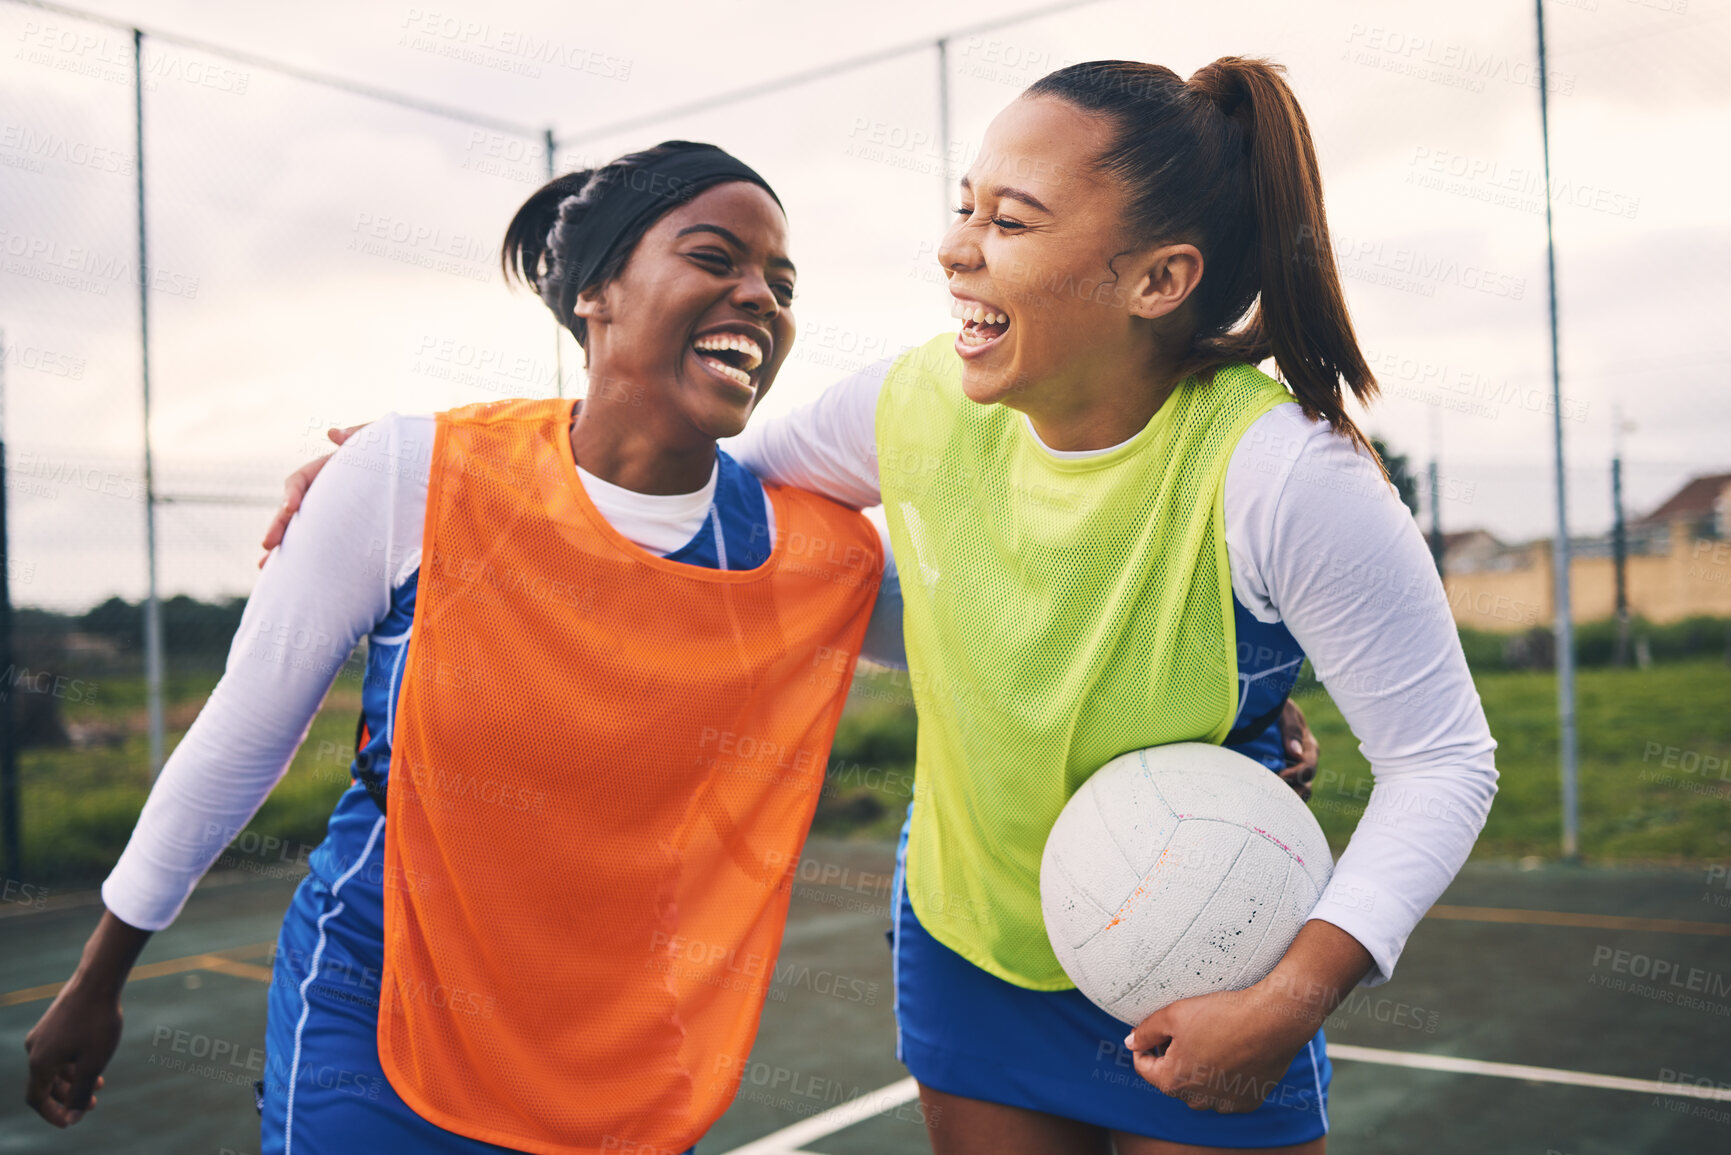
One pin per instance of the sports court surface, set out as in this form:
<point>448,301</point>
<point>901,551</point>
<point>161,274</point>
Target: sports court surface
<point>1576,1011</point>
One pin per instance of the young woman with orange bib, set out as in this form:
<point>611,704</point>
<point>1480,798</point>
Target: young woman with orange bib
<point>605,666</point>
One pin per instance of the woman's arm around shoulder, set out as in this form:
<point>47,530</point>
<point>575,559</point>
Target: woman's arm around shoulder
<point>827,446</point>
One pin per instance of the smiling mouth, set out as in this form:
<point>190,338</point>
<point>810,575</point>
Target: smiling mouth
<point>733,356</point>
<point>980,325</point>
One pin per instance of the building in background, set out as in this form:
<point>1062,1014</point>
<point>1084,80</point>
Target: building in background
<point>1679,566</point>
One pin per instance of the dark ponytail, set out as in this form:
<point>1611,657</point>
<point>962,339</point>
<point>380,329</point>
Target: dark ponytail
<point>541,248</point>
<point>537,237</point>
<point>524,254</point>
<point>1226,163</point>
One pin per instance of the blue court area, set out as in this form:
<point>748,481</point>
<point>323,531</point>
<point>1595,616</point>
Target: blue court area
<point>1575,1011</point>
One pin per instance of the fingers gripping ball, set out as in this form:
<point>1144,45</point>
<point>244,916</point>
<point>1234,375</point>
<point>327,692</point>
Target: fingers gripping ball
<point>1176,871</point>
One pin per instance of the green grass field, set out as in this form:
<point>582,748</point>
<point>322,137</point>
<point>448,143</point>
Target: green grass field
<point>1655,765</point>
<point>1655,783</point>
<point>79,805</point>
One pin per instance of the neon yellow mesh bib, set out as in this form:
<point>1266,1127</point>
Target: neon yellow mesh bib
<point>1059,612</point>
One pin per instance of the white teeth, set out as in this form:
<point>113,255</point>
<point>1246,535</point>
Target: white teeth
<point>737,342</point>
<point>728,371</point>
<point>975,314</point>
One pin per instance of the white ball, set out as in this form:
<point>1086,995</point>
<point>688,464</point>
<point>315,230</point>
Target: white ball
<point>1175,871</point>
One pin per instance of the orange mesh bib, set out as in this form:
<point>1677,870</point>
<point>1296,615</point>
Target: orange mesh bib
<point>604,766</point>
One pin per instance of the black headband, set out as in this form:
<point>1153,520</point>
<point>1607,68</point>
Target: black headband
<point>643,192</point>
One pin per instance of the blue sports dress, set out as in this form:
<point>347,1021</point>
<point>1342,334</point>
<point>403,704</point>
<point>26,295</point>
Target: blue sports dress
<point>965,1031</point>
<point>323,1090</point>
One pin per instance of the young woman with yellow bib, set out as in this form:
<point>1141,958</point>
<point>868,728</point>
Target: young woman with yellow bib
<point>1113,531</point>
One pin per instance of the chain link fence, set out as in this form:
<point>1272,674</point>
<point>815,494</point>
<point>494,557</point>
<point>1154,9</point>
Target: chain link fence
<point>321,252</point>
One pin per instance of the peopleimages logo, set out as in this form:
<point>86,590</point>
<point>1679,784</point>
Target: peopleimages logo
<point>1520,187</point>
<point>1424,57</point>
<point>83,51</point>
<point>38,147</point>
<point>1410,267</point>
<point>502,47</point>
<point>52,362</point>
<point>1666,980</point>
<point>84,269</point>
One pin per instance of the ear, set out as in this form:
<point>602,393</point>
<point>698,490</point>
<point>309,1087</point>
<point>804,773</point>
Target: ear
<point>591,304</point>
<point>1164,278</point>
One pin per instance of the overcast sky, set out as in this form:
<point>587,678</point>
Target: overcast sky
<point>321,257</point>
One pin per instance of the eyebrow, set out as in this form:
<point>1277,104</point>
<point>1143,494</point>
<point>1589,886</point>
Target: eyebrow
<point>732,238</point>
<point>1008,192</point>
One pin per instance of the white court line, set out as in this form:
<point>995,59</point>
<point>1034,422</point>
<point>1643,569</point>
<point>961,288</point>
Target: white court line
<point>787,1141</point>
<point>1518,1071</point>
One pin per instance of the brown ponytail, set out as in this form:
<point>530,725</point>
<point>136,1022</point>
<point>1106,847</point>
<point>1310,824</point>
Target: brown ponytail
<point>1226,163</point>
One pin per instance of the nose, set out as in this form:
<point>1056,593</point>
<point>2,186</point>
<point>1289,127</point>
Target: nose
<point>754,295</point>
<point>959,251</point>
